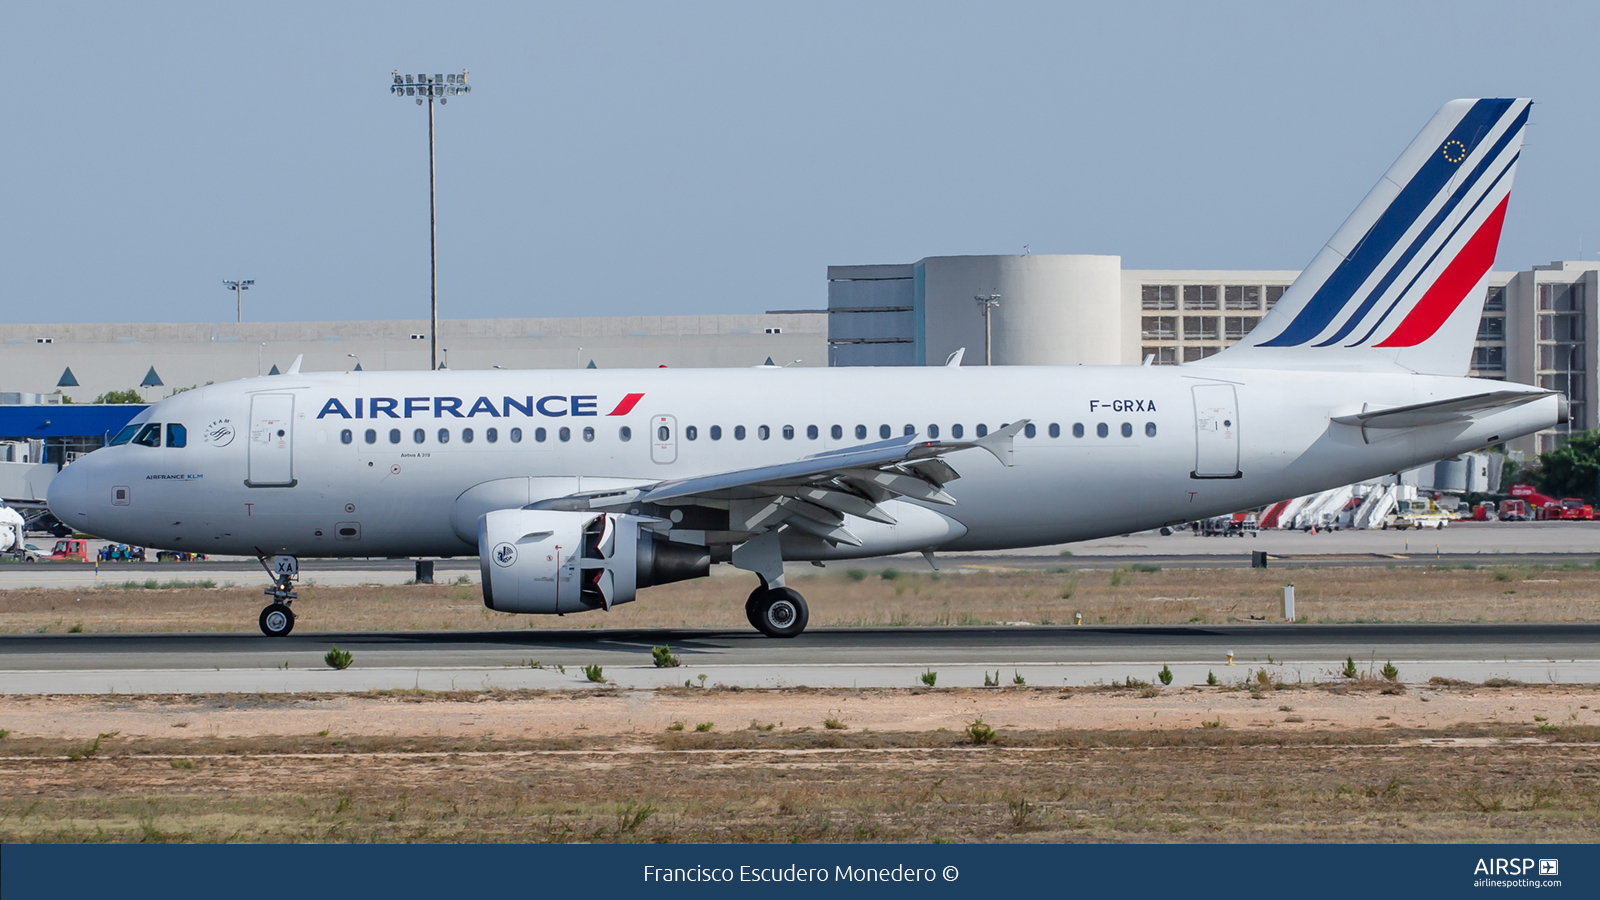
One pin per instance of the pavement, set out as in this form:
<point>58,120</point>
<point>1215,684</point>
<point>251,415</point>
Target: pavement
<point>870,657</point>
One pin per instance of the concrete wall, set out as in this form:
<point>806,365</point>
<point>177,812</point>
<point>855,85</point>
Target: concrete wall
<point>1055,309</point>
<point>105,357</point>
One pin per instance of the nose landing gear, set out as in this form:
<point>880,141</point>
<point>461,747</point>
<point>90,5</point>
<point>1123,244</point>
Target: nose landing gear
<point>277,620</point>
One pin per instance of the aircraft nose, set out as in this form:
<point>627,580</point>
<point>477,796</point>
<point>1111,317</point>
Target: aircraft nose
<point>68,496</point>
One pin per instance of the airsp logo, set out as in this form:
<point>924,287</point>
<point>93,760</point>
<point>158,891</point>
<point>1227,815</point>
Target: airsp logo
<point>504,554</point>
<point>219,433</point>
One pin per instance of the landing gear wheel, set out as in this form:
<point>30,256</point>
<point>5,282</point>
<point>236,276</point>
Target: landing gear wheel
<point>277,620</point>
<point>780,612</point>
<point>752,608</point>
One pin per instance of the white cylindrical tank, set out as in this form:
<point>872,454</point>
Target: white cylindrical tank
<point>1055,309</point>
<point>11,529</point>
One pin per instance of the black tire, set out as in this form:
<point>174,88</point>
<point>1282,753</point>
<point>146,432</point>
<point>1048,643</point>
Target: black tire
<point>781,613</point>
<point>752,608</point>
<point>277,620</point>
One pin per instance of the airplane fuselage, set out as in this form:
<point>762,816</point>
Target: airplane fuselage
<point>386,463</point>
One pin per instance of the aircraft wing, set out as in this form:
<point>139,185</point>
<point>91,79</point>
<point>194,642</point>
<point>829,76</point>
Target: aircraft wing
<point>1437,412</point>
<point>814,494</point>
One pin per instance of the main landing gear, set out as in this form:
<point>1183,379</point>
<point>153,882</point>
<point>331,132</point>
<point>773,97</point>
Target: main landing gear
<point>777,612</point>
<point>277,620</point>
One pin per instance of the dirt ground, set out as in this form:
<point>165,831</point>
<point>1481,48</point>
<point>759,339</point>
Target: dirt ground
<point>844,597</point>
<point>1365,762</point>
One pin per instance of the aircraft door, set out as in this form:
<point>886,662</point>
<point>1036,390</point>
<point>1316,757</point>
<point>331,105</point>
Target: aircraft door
<point>664,439</point>
<point>271,441</point>
<point>1216,432</point>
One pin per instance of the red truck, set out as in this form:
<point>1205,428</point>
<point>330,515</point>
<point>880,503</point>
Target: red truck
<point>71,549</point>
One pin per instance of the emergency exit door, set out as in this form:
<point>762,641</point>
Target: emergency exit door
<point>664,439</point>
<point>1216,432</point>
<point>271,441</point>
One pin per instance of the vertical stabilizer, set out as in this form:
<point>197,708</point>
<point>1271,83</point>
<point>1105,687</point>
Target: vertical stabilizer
<point>1400,286</point>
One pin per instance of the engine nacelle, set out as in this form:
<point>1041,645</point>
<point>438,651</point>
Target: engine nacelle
<point>554,561</point>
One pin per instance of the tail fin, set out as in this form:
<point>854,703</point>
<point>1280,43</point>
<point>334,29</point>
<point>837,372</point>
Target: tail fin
<point>1401,284</point>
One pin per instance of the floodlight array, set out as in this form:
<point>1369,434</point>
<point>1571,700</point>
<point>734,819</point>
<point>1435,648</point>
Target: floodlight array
<point>429,87</point>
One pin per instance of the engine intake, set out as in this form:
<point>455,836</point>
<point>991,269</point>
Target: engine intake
<point>555,561</point>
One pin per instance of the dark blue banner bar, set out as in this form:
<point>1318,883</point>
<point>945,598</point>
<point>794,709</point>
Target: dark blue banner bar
<point>432,871</point>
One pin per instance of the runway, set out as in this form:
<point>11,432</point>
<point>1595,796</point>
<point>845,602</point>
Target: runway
<point>873,657</point>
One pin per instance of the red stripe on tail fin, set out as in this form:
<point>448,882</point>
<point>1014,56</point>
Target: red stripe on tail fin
<point>1465,271</point>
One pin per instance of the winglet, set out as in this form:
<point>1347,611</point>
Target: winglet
<point>998,441</point>
<point>955,358</point>
<point>294,367</point>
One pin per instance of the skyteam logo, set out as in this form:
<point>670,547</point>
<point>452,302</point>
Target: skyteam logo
<point>1419,244</point>
<point>554,406</point>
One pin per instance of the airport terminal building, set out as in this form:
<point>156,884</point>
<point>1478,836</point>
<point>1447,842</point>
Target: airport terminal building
<point>1088,310</point>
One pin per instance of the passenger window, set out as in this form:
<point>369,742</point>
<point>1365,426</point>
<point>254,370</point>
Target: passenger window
<point>1055,430</point>
<point>763,432</point>
<point>911,430</point>
<point>394,435</point>
<point>516,435</point>
<point>345,437</point>
<point>738,432</point>
<point>716,432</point>
<point>933,431</point>
<point>788,432</point>
<point>123,436</point>
<point>565,434</point>
<point>861,432</point>
<point>1077,429</point>
<point>1149,429</point>
<point>444,435</point>
<point>149,436</point>
<point>884,432</point>
<point>691,432</point>
<point>491,434</point>
<point>466,435</point>
<point>1127,429</point>
<point>418,436</point>
<point>956,431</point>
<point>1102,430</point>
<point>983,430</point>
<point>588,434</point>
<point>625,434</point>
<point>837,432</point>
<point>1030,431</point>
<point>178,436</point>
<point>371,436</point>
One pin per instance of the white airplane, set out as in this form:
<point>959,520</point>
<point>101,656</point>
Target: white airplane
<point>577,489</point>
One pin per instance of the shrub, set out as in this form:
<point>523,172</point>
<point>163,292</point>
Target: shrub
<point>1165,674</point>
<point>888,574</point>
<point>4,733</point>
<point>833,724</point>
<point>594,673</point>
<point>991,682</point>
<point>1133,682</point>
<point>76,629</point>
<point>1213,723</point>
<point>1390,673</point>
<point>1262,678</point>
<point>338,659</point>
<point>980,733</point>
<point>929,677</point>
<point>663,657</point>
<point>183,764</point>
<point>675,726</point>
<point>88,750</point>
<point>1349,670</point>
<point>1016,677</point>
<point>1211,677</point>
<point>1021,812</point>
<point>705,726</point>
<point>856,574</point>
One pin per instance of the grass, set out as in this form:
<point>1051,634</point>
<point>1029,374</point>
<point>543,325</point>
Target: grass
<point>979,733</point>
<point>155,584</point>
<point>834,725</point>
<point>594,673</point>
<point>704,727</point>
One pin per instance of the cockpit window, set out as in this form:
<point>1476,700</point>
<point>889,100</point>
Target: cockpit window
<point>123,436</point>
<point>149,435</point>
<point>177,435</point>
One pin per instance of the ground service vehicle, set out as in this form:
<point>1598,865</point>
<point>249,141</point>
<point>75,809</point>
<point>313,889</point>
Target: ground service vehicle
<point>71,549</point>
<point>1416,514</point>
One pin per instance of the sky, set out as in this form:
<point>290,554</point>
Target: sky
<point>678,158</point>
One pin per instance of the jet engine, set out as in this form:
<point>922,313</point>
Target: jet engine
<point>557,561</point>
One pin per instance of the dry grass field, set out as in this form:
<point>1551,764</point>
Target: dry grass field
<point>1376,763</point>
<point>842,597</point>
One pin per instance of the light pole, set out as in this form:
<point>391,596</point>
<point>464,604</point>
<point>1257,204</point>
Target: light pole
<point>987,303</point>
<point>238,288</point>
<point>428,88</point>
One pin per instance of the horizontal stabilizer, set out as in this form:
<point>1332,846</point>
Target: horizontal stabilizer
<point>1438,412</point>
